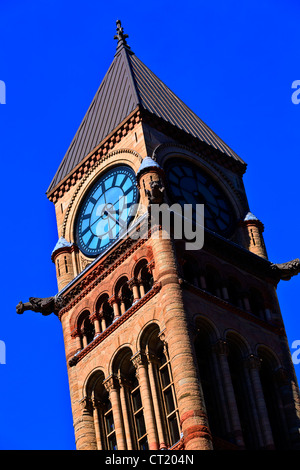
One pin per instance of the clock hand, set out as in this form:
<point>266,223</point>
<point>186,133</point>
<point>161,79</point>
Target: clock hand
<point>121,224</point>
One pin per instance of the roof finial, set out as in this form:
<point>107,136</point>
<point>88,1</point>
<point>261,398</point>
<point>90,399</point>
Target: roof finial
<point>120,36</point>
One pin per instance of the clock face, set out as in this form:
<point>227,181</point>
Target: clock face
<point>106,210</point>
<point>188,184</point>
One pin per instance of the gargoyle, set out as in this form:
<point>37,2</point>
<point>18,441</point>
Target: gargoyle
<point>44,306</point>
<point>156,193</point>
<point>287,270</point>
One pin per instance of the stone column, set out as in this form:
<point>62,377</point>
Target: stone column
<point>123,399</point>
<point>142,288</point>
<point>224,291</point>
<point>221,349</point>
<point>84,338</point>
<point>246,301</point>
<point>112,386</point>
<point>140,363</point>
<point>102,320</point>
<point>202,281</point>
<point>134,286</point>
<point>84,427</point>
<point>152,363</point>
<point>77,335</point>
<point>253,365</point>
<point>97,423</point>
<point>114,302</point>
<point>191,406</point>
<point>95,319</point>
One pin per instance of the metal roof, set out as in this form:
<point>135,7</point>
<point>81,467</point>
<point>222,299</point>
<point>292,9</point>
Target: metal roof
<point>129,83</point>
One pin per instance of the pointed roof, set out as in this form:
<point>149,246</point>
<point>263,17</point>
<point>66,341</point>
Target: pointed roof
<point>61,243</point>
<point>250,216</point>
<point>146,164</point>
<point>129,84</point>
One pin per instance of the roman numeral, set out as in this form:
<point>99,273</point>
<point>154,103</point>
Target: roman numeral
<point>90,240</point>
<point>85,231</point>
<point>128,191</point>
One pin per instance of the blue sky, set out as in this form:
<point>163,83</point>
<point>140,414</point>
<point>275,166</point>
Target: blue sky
<point>232,62</point>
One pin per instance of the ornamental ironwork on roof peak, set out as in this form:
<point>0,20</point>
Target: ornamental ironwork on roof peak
<point>121,37</point>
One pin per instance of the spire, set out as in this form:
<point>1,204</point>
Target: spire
<point>130,85</point>
<point>121,37</point>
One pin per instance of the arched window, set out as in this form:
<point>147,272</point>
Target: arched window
<point>241,387</point>
<point>272,396</point>
<point>162,389</point>
<point>88,330</point>
<point>132,409</point>
<point>213,281</point>
<point>104,311</point>
<point>138,414</point>
<point>208,378</point>
<point>146,279</point>
<point>109,434</point>
<point>85,328</point>
<point>256,303</point>
<point>124,294</point>
<point>189,271</point>
<point>234,292</point>
<point>143,277</point>
<point>104,426</point>
<point>169,398</point>
<point>108,313</point>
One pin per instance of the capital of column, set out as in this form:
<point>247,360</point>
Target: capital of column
<point>75,333</point>
<point>253,362</point>
<point>152,358</point>
<point>123,382</point>
<point>95,403</point>
<point>163,338</point>
<point>139,359</point>
<point>111,383</point>
<point>221,348</point>
<point>95,316</point>
<point>113,300</point>
<point>132,282</point>
<point>86,405</point>
<point>281,376</point>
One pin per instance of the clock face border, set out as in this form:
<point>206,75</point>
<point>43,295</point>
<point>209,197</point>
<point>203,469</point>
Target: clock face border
<point>210,187</point>
<point>89,206</point>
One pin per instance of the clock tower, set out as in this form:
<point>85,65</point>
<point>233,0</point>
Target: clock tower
<point>166,347</point>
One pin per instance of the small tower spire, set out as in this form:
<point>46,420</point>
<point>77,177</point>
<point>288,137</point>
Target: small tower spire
<point>121,37</point>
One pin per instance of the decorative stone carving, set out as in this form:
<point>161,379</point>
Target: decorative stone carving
<point>111,383</point>
<point>86,405</point>
<point>287,270</point>
<point>156,193</point>
<point>139,359</point>
<point>221,348</point>
<point>253,362</point>
<point>45,306</point>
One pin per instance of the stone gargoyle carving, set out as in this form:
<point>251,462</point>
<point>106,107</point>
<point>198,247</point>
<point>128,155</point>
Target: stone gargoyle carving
<point>156,193</point>
<point>287,270</point>
<point>45,306</point>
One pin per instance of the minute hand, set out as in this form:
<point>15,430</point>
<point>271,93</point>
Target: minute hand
<point>121,224</point>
